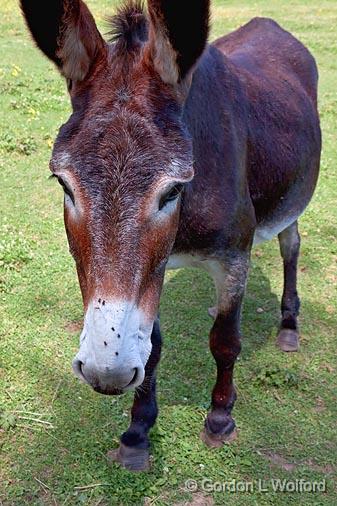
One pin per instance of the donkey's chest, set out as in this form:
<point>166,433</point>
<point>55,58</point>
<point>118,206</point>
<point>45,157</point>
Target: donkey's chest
<point>180,260</point>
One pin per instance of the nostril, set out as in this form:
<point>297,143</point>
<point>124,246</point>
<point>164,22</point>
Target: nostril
<point>134,378</point>
<point>78,370</point>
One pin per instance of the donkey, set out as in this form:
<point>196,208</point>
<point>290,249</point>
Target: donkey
<point>177,153</point>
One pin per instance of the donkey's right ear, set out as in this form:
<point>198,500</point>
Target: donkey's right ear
<point>66,32</point>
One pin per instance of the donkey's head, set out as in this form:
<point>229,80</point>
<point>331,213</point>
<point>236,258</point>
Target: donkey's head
<point>123,159</point>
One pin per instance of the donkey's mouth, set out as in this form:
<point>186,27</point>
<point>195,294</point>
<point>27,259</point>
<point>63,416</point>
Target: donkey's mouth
<point>117,391</point>
<point>108,390</point>
<point>103,385</point>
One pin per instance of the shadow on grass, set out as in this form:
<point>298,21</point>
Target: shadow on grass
<point>187,364</point>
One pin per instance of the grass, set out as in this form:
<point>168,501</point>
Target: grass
<point>54,431</point>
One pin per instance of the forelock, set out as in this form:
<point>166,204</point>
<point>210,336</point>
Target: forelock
<point>129,26</point>
<point>119,148</point>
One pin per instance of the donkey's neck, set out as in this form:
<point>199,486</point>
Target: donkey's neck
<point>214,116</point>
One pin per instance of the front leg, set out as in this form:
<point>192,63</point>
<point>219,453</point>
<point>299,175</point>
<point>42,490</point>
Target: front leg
<point>133,452</point>
<point>230,278</point>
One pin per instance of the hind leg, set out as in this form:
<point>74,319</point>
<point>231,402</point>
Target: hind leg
<point>288,337</point>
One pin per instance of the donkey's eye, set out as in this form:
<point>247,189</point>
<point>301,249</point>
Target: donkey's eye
<point>173,194</point>
<point>66,189</point>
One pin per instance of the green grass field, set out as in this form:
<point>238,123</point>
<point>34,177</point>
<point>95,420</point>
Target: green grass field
<point>54,431</point>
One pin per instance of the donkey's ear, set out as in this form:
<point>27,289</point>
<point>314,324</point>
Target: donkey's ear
<point>178,35</point>
<point>66,32</point>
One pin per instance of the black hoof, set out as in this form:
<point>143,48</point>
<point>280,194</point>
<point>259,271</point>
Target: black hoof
<point>133,459</point>
<point>288,340</point>
<point>218,430</point>
<point>215,440</point>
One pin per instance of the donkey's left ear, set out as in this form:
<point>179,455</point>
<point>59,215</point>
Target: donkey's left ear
<point>66,32</point>
<point>178,36</point>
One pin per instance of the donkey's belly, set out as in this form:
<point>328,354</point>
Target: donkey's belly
<point>288,208</point>
<point>285,214</point>
<point>267,231</point>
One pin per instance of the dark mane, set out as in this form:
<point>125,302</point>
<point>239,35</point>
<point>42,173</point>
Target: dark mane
<point>129,26</point>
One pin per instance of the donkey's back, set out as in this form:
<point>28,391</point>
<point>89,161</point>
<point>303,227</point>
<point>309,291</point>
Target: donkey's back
<point>264,49</point>
<point>279,77</point>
